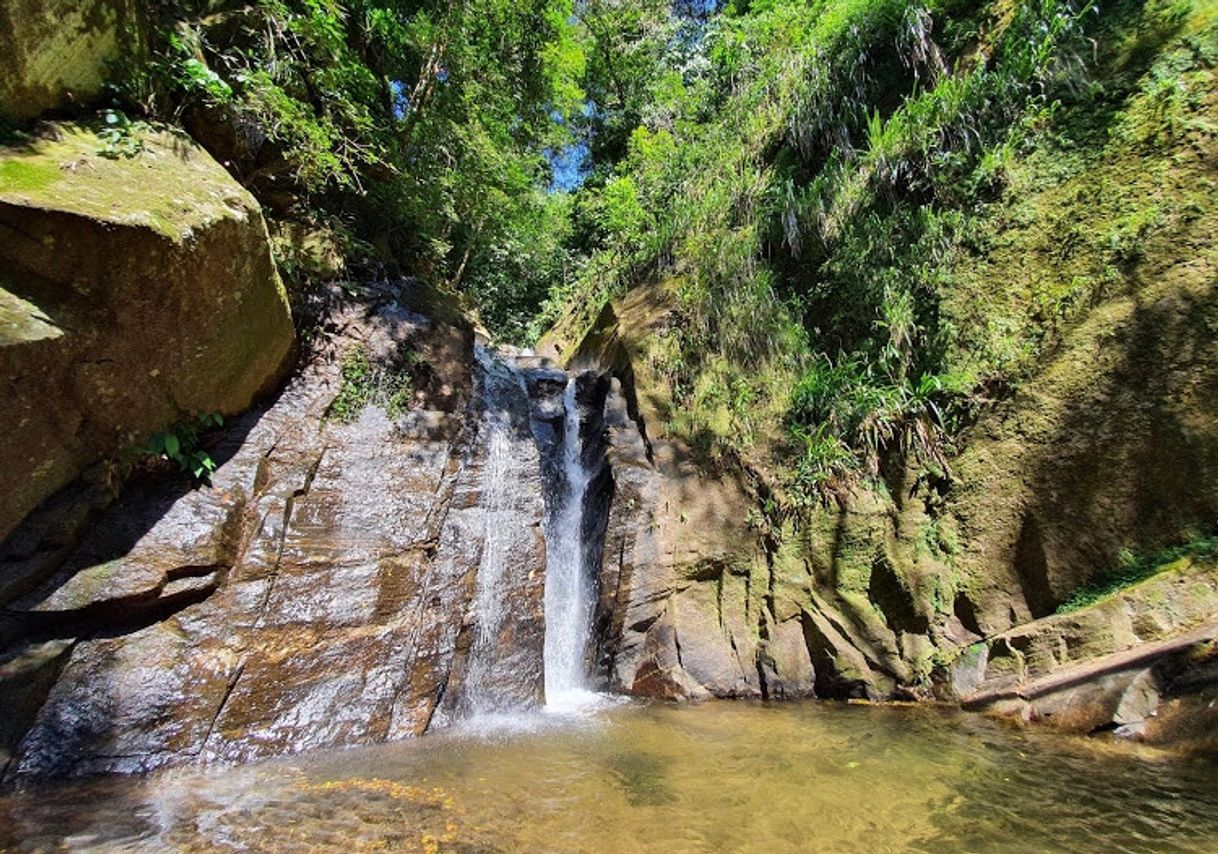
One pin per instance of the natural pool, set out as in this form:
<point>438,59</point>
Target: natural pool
<point>718,776</point>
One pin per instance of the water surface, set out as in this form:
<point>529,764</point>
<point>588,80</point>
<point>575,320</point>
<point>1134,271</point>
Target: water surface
<point>713,777</point>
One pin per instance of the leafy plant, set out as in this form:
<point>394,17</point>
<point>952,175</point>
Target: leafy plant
<point>365,383</point>
<point>193,75</point>
<point>183,444</point>
<point>119,135</point>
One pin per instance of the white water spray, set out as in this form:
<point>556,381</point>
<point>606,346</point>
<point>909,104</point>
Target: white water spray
<point>489,689</point>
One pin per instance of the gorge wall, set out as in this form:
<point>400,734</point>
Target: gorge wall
<point>318,593</point>
<point>916,588</point>
<point>369,561</point>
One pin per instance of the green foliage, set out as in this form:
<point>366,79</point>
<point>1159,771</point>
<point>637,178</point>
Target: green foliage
<point>119,135</point>
<point>843,224</point>
<point>1132,568</point>
<point>420,124</point>
<point>189,72</point>
<point>367,383</point>
<point>842,418</point>
<point>183,444</point>
<point>843,197</point>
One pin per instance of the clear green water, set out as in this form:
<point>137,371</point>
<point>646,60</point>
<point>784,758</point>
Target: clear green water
<point>713,777</point>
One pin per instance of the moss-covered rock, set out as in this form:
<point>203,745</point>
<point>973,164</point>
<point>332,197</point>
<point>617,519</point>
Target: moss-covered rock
<point>133,291</point>
<point>60,52</point>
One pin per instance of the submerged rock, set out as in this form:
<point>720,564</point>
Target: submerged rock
<point>134,291</point>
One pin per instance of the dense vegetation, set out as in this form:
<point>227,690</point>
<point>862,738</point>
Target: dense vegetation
<point>820,191</point>
<point>816,184</point>
<point>410,133</point>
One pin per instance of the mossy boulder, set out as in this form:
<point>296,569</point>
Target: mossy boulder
<point>133,291</point>
<point>59,53</point>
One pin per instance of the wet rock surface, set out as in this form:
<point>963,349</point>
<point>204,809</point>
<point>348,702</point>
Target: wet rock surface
<point>496,514</point>
<point>318,593</point>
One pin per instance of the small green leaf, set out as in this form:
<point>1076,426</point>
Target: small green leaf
<point>172,446</point>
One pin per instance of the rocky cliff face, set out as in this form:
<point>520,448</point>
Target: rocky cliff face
<point>319,593</point>
<point>363,573</point>
<point>1075,299</point>
<point>914,587</point>
<point>134,291</point>
<point>687,606</point>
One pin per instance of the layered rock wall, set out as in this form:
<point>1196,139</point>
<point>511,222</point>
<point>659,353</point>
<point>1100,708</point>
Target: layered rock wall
<point>916,587</point>
<point>317,594</point>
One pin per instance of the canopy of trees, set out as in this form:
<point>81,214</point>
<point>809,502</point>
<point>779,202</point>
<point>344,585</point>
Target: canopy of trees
<point>803,175</point>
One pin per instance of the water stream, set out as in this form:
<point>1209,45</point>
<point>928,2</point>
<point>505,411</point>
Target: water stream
<point>568,593</point>
<point>483,696</point>
<point>533,461</point>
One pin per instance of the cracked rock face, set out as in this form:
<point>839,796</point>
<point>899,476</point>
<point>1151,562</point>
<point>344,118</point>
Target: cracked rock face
<point>317,594</point>
<point>679,614</point>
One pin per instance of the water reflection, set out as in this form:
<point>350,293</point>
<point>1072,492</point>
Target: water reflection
<point>715,777</point>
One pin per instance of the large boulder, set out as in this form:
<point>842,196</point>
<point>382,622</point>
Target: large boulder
<point>134,290</point>
<point>324,591</point>
<point>60,52</point>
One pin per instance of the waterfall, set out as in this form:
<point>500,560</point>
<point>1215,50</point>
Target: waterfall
<point>503,667</point>
<point>528,630</point>
<point>489,594</point>
<point>568,590</point>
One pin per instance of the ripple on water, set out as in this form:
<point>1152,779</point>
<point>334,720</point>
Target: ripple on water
<point>608,778</point>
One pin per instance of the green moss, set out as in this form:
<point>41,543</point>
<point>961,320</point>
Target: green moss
<point>61,52</point>
<point>170,186</point>
<point>1133,569</point>
<point>1105,180</point>
<point>16,175</point>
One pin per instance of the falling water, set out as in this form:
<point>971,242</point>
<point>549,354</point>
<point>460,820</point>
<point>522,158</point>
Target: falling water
<point>568,591</point>
<point>489,595</point>
<point>491,683</point>
<point>501,668</point>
